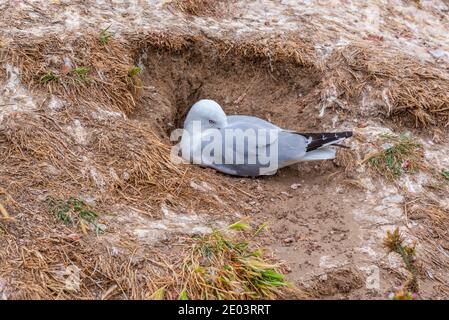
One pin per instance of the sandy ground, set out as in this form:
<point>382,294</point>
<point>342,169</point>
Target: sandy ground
<point>328,230</point>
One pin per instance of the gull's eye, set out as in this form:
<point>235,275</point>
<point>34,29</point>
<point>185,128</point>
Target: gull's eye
<point>211,121</point>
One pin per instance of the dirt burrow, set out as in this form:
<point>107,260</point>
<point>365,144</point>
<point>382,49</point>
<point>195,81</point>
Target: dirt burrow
<point>174,81</point>
<point>319,225</point>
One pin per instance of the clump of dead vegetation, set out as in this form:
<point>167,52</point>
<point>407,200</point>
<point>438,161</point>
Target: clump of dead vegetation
<point>169,41</point>
<point>286,48</point>
<point>394,242</point>
<point>80,69</point>
<point>273,49</point>
<point>398,155</point>
<point>432,215</point>
<point>399,83</point>
<point>131,163</point>
<point>214,8</point>
<point>349,160</point>
<point>225,265</point>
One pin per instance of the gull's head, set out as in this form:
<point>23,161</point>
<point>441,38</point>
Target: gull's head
<point>208,113</point>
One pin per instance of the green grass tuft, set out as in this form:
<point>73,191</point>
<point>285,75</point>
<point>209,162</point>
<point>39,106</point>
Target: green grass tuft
<point>240,225</point>
<point>400,154</point>
<point>445,174</point>
<point>105,35</point>
<point>48,77</point>
<point>74,212</point>
<point>183,295</point>
<point>82,72</point>
<point>134,71</point>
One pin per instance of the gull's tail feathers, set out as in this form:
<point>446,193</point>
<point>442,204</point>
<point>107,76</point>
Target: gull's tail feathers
<point>319,154</point>
<point>323,139</point>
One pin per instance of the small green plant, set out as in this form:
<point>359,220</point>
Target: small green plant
<point>239,225</point>
<point>159,294</point>
<point>400,154</point>
<point>394,242</point>
<point>82,72</point>
<point>74,212</point>
<point>134,71</point>
<point>105,35</point>
<point>445,174</point>
<point>48,77</point>
<point>183,295</point>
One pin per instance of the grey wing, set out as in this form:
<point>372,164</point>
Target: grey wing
<point>263,132</point>
<point>251,121</point>
<point>286,148</point>
<point>242,143</point>
<point>255,140</point>
<point>292,147</point>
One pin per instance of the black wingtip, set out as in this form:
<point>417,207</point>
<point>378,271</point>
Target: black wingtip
<point>347,134</point>
<point>317,140</point>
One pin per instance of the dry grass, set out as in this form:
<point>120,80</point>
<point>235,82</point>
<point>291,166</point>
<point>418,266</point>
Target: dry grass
<point>170,41</point>
<point>214,8</point>
<point>347,159</point>
<point>403,84</point>
<point>433,217</point>
<point>272,50</point>
<point>429,216</point>
<point>39,251</point>
<point>276,49</point>
<point>51,64</point>
<point>130,163</point>
<point>216,266</point>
